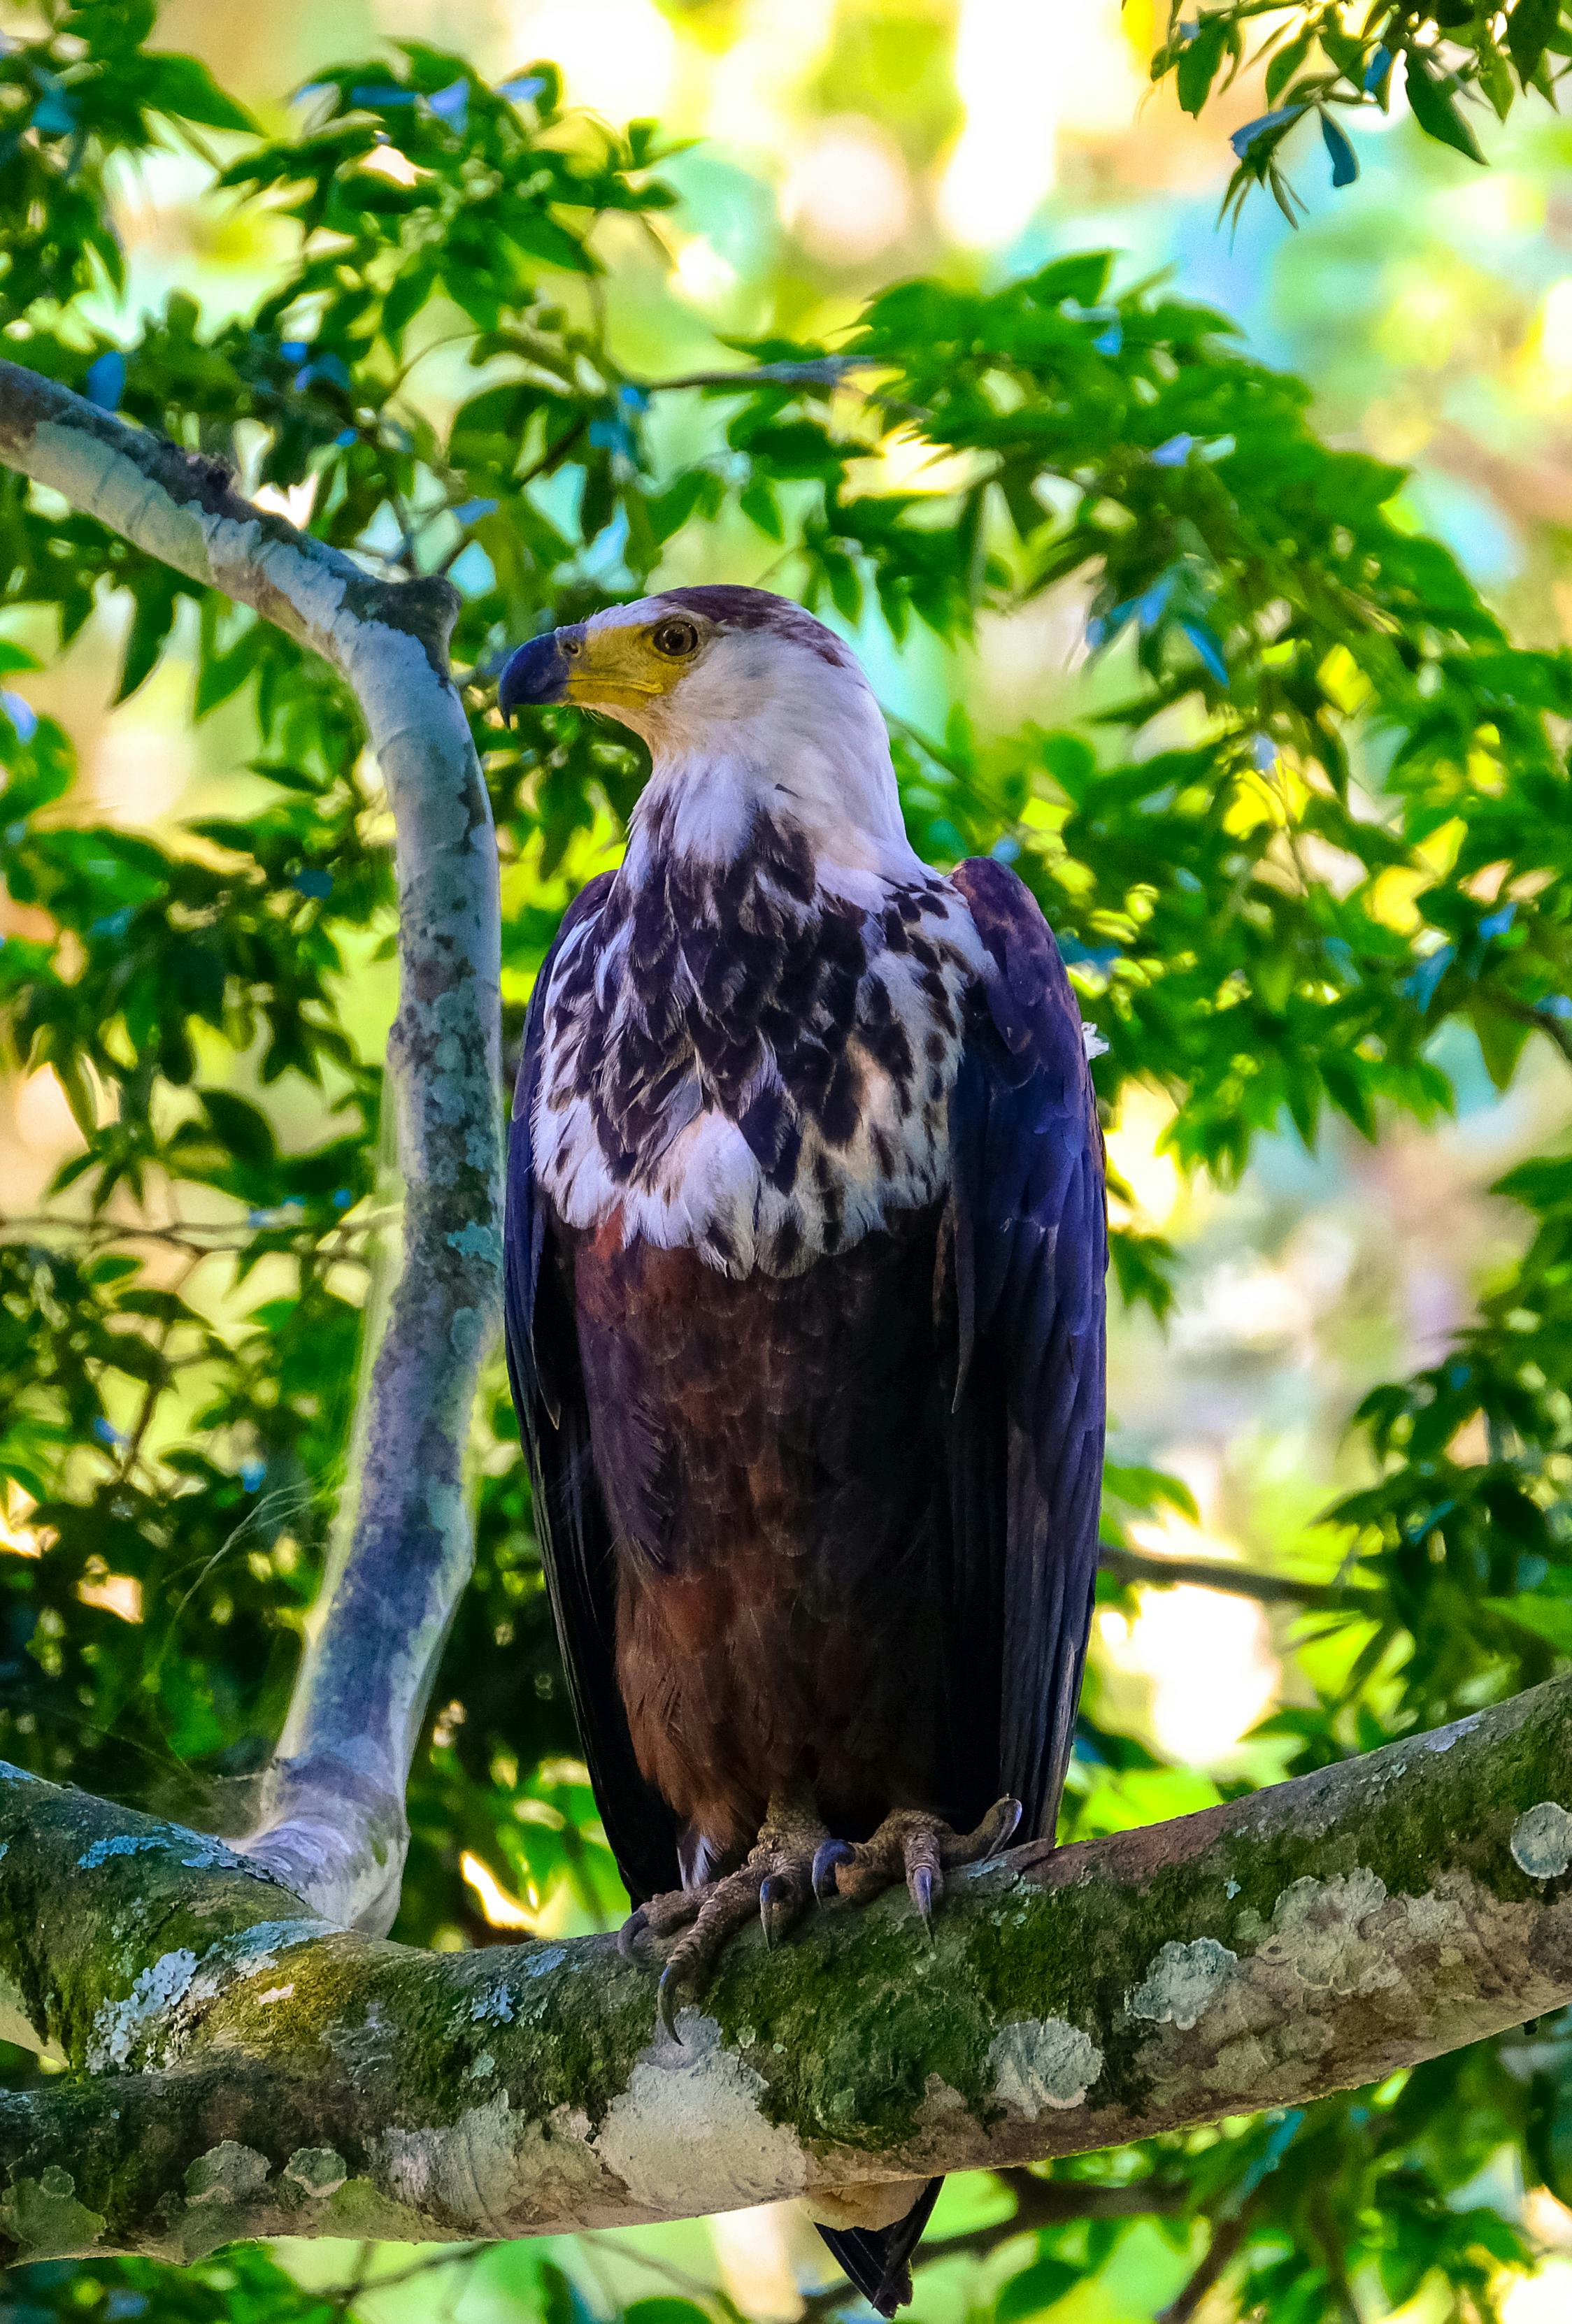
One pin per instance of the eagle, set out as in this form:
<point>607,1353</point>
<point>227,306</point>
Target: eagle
<point>805,1256</point>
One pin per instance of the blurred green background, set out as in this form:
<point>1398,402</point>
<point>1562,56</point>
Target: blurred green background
<point>840,146</point>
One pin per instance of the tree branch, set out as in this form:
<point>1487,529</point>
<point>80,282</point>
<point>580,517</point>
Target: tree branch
<point>1157,1571</point>
<point>244,2069</point>
<point>1228,2240</point>
<point>820,370</point>
<point>335,1828</point>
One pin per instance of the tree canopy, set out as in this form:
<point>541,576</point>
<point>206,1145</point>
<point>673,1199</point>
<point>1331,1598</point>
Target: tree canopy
<point>1314,808</point>
<point>1334,64</point>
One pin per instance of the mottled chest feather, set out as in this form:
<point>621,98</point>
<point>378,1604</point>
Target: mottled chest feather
<point>754,1058</point>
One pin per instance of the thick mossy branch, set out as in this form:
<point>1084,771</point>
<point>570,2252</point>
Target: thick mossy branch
<point>241,2068</point>
<point>336,1829</point>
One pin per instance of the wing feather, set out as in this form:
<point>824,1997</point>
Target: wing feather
<point>571,1524</point>
<point>1026,1431</point>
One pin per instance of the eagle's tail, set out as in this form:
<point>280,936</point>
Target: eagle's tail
<point>878,2260</point>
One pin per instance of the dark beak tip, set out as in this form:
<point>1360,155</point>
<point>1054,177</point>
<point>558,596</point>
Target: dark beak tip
<point>532,675</point>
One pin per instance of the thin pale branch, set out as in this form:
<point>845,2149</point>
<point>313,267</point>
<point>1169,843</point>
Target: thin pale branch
<point>336,1830</point>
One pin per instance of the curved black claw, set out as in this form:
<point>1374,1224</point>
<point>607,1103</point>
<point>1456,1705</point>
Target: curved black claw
<point>631,1930</point>
<point>667,1995</point>
<point>922,1894</point>
<point>997,1826</point>
<point>828,1857</point>
<point>776,1902</point>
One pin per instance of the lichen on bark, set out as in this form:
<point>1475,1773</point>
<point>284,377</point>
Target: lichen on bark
<point>259,2071</point>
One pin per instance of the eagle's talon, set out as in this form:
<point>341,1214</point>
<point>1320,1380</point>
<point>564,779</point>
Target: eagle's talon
<point>913,1847</point>
<point>829,1856</point>
<point>776,1882</point>
<point>782,1896</point>
<point>995,1831</point>
<point>661,1917</point>
<point>922,1882</point>
<point>666,1994</point>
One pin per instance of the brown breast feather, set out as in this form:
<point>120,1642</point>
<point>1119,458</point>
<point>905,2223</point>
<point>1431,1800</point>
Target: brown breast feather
<point>763,1449</point>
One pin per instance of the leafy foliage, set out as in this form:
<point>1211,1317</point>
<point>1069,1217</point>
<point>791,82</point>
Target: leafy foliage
<point>1306,806</point>
<point>240,2287</point>
<point>1323,61</point>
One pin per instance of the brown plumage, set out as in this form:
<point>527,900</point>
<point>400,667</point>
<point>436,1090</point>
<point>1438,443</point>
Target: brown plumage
<point>770,1479</point>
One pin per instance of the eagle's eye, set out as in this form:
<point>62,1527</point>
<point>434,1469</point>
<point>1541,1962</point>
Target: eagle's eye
<point>675,640</point>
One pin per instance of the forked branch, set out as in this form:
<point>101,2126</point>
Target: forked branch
<point>335,1828</point>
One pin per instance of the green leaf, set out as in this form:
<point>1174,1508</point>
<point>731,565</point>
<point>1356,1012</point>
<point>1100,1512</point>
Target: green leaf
<point>240,1125</point>
<point>156,592</point>
<point>183,88</point>
<point>1495,80</point>
<point>1083,276</point>
<point>73,1080</point>
<point>1286,62</point>
<point>1550,1619</point>
<point>1038,2287</point>
<point>1143,1488</point>
<point>1529,29</point>
<point>1198,64</point>
<point>1502,1040</point>
<point>542,238</point>
<point>1432,98</point>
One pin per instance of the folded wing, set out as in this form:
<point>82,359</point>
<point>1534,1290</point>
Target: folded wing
<point>1028,1259</point>
<point>571,1524</point>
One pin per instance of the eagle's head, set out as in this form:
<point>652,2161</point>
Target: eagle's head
<point>745,702</point>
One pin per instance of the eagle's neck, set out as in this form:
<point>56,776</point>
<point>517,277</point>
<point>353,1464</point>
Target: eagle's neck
<point>812,755</point>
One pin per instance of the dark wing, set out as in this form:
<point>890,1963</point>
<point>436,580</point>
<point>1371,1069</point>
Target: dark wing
<point>571,1519</point>
<point>1025,1433</point>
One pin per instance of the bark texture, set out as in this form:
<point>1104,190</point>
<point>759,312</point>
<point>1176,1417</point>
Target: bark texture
<point>240,2066</point>
<point>334,1829</point>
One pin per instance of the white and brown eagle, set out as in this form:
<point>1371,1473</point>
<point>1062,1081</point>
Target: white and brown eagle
<point>805,1310</point>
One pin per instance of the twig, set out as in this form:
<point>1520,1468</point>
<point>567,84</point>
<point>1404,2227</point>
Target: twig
<point>554,453</point>
<point>1227,2236</point>
<point>362,2282</point>
<point>1156,1570</point>
<point>678,2278</point>
<point>821,370</point>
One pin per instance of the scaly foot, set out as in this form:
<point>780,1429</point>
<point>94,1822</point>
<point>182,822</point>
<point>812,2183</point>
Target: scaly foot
<point>914,1847</point>
<point>776,1882</point>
